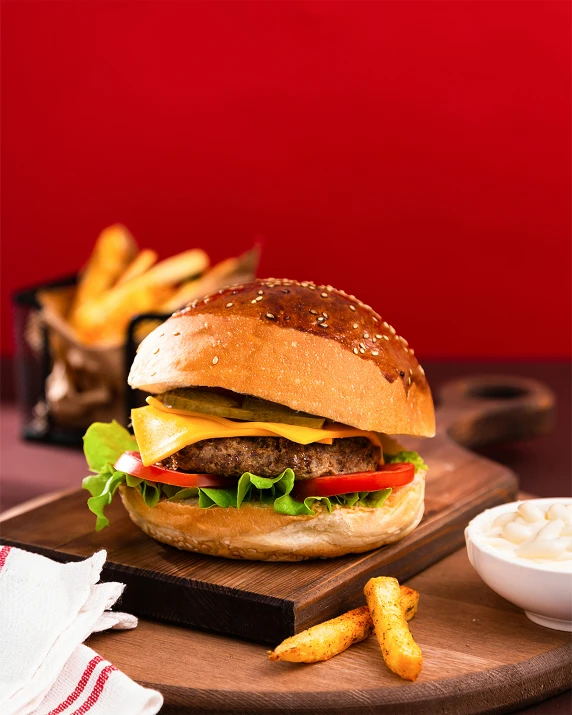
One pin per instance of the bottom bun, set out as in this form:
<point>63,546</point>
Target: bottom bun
<point>258,533</point>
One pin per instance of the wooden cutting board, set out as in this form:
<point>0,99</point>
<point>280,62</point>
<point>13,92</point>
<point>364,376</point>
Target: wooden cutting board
<point>480,655</point>
<point>267,602</point>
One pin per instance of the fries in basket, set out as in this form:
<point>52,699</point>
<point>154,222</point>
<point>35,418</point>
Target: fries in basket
<point>87,324</point>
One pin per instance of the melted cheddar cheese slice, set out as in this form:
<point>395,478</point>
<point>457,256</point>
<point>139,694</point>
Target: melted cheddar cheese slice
<point>161,432</point>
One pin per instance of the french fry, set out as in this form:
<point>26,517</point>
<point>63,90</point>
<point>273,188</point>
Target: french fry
<point>332,637</point>
<point>400,652</point>
<point>409,600</point>
<point>114,250</point>
<point>141,263</point>
<point>177,268</point>
<point>105,319</point>
<point>231,270</point>
<point>325,640</point>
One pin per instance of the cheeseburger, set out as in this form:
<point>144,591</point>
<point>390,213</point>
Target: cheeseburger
<point>266,435</point>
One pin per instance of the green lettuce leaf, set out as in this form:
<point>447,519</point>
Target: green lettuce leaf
<point>413,457</point>
<point>105,443</point>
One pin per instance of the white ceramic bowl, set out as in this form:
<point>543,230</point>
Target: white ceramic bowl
<point>543,590</point>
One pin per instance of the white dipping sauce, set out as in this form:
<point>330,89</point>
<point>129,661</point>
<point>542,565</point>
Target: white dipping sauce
<point>535,533</point>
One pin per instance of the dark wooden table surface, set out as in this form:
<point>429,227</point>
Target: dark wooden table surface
<point>544,465</point>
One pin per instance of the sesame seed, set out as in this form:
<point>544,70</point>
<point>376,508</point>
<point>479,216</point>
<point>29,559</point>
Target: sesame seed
<point>314,312</point>
<point>356,351</point>
<point>329,289</point>
<point>392,329</point>
<point>324,295</point>
<point>325,315</point>
<point>412,351</point>
<point>374,319</point>
<point>312,287</point>
<point>206,300</point>
<point>410,371</point>
<point>374,340</point>
<point>260,292</point>
<point>253,301</point>
<point>270,316</point>
<point>366,336</point>
<point>153,373</point>
<point>285,290</point>
<point>362,350</point>
<point>362,346</point>
<point>176,332</point>
<point>421,370</point>
<point>355,326</point>
<point>162,335</point>
<point>258,299</point>
<point>386,337</point>
<point>323,325</point>
<point>229,305</point>
<point>409,381</point>
<point>379,336</point>
<point>374,352</point>
<point>215,360</point>
<point>352,307</point>
<point>320,318</point>
<point>155,351</point>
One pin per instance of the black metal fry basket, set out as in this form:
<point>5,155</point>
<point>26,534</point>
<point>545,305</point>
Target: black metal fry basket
<point>35,362</point>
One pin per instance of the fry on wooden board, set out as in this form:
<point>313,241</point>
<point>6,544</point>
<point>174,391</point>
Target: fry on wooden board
<point>325,640</point>
<point>400,652</point>
<point>332,637</point>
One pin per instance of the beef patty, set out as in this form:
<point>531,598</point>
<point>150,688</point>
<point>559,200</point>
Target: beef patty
<point>269,456</point>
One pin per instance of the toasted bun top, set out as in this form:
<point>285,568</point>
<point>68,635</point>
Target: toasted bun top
<point>312,348</point>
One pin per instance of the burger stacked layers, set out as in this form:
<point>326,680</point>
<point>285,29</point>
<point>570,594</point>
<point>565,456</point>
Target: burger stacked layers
<point>266,437</point>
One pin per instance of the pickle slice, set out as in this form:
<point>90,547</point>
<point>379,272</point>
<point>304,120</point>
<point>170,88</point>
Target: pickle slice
<point>264,411</point>
<point>211,403</point>
<point>252,409</point>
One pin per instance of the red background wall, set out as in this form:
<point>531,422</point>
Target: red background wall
<point>416,154</point>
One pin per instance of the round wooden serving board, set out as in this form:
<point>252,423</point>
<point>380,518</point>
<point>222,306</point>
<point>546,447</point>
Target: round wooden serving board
<point>480,655</point>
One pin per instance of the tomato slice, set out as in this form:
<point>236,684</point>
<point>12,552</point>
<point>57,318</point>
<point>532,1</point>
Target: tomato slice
<point>389,475</point>
<point>130,463</point>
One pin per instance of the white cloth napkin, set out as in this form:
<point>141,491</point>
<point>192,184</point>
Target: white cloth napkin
<point>47,610</point>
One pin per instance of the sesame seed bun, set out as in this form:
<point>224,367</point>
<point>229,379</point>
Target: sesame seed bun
<point>312,348</point>
<point>257,533</point>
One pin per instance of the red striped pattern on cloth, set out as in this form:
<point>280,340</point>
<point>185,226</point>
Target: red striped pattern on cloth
<point>4,551</point>
<point>97,690</point>
<point>80,687</point>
